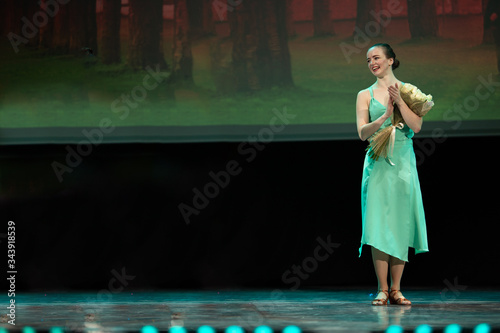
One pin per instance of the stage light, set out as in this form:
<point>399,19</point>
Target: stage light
<point>177,329</point>
<point>291,329</point>
<point>234,329</point>
<point>205,329</point>
<point>482,328</point>
<point>453,328</point>
<point>263,329</point>
<point>3,330</point>
<point>28,329</point>
<point>56,330</point>
<point>423,329</point>
<point>394,329</point>
<point>149,329</point>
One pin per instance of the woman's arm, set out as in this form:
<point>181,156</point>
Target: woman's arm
<point>365,127</point>
<point>411,119</point>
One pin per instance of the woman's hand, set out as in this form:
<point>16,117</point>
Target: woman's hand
<point>389,109</point>
<point>411,119</point>
<point>394,93</point>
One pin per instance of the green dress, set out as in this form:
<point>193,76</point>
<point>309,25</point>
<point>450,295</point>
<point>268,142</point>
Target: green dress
<point>391,202</point>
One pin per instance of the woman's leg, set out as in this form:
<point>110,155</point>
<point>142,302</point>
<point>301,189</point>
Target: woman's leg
<point>381,265</point>
<point>397,267</point>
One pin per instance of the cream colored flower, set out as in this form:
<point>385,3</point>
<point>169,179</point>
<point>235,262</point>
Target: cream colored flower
<point>416,100</point>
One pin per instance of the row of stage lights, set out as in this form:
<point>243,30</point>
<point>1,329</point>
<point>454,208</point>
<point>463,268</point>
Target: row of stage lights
<point>453,328</point>
<point>180,329</point>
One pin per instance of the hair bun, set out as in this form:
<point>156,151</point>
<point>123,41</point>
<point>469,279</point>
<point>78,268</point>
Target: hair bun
<point>395,64</point>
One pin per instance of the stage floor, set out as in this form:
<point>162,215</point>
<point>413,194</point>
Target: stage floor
<point>347,310</point>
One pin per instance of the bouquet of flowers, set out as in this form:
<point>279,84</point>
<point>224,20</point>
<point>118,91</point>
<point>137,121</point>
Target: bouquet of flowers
<point>382,142</point>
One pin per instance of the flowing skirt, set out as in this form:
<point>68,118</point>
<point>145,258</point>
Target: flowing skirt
<point>393,216</point>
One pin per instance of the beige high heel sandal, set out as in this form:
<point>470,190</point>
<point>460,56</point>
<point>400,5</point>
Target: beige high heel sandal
<point>398,301</point>
<point>381,301</point>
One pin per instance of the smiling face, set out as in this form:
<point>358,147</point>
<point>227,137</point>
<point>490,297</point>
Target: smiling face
<point>378,62</point>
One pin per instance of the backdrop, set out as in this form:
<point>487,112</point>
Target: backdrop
<point>211,70</point>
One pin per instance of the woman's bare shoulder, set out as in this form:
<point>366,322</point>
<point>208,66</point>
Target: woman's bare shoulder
<point>364,94</point>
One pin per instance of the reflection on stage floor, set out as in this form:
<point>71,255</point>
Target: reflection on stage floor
<point>341,310</point>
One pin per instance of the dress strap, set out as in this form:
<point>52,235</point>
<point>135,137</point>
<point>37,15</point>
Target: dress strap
<point>371,91</point>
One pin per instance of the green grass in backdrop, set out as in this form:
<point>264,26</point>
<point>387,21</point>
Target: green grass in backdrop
<point>40,90</point>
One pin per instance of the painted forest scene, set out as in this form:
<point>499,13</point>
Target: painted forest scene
<point>76,63</point>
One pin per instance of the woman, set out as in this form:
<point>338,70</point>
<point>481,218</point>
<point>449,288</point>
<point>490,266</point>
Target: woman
<point>392,210</point>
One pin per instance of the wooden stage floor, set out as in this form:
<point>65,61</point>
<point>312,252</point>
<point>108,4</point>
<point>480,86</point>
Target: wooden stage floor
<point>340,310</point>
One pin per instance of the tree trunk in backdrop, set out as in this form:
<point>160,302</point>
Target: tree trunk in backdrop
<point>110,46</point>
<point>422,19</point>
<point>145,28</point>
<point>182,65</point>
<point>322,19</point>
<point>261,57</point>
<point>83,26</point>
<point>366,22</point>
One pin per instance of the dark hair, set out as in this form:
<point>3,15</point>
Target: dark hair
<point>389,53</point>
